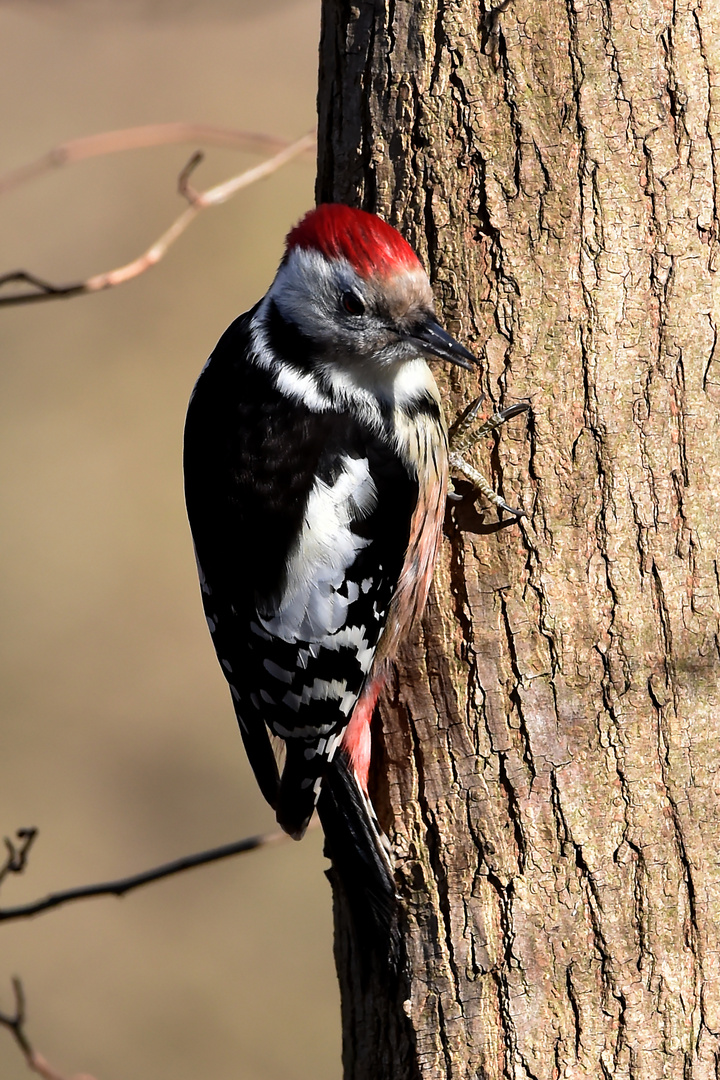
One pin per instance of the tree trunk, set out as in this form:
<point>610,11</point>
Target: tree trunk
<point>548,753</point>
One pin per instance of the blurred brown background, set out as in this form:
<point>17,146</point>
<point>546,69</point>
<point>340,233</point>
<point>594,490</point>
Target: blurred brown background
<point>118,738</point>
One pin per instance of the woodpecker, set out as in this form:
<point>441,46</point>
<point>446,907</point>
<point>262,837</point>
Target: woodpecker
<point>316,474</point>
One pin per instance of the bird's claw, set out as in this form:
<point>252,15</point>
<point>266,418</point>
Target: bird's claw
<point>461,439</point>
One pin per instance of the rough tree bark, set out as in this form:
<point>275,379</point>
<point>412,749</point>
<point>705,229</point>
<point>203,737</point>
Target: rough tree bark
<point>550,744</point>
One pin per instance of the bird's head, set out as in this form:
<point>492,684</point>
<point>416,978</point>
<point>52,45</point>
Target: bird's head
<point>351,285</point>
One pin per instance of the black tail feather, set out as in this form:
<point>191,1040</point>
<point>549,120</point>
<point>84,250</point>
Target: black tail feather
<point>297,793</point>
<point>362,860</point>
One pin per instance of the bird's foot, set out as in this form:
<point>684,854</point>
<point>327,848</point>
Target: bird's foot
<point>461,440</point>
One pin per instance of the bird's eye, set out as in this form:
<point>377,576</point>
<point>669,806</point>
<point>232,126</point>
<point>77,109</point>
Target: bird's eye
<point>352,303</point>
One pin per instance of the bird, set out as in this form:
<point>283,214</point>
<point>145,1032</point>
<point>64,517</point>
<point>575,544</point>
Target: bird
<point>316,468</point>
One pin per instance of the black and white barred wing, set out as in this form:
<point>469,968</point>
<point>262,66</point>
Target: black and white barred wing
<point>300,522</point>
<point>315,641</point>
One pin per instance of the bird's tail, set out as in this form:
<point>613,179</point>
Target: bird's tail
<point>362,859</point>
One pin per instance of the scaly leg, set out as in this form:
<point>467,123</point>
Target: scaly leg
<point>461,439</point>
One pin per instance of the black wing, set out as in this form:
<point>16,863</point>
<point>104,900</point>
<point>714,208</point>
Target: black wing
<point>295,599</point>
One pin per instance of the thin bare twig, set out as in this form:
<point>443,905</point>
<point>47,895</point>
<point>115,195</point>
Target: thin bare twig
<point>197,201</point>
<point>46,290</point>
<point>125,885</point>
<point>112,142</point>
<point>15,1023</point>
<point>17,852</point>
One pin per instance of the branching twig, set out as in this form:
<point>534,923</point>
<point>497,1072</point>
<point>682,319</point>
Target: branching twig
<point>124,885</point>
<point>16,1025</point>
<point>16,1022</point>
<point>17,852</point>
<point>112,142</point>
<point>15,863</point>
<point>198,201</point>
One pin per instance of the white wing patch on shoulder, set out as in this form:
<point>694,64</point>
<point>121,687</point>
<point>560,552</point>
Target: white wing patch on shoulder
<point>312,607</point>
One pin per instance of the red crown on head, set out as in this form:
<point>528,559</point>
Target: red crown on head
<point>369,244</point>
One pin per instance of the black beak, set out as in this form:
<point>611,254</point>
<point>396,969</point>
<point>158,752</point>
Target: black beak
<point>433,339</point>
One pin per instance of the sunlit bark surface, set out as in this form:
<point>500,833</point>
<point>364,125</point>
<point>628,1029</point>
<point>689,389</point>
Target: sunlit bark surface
<point>550,774</point>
